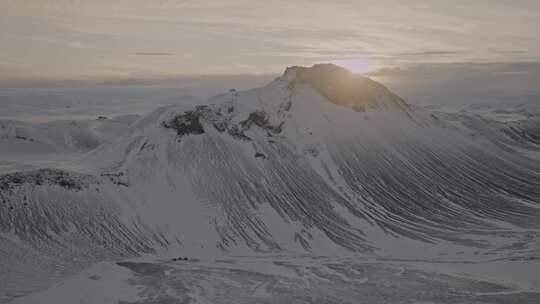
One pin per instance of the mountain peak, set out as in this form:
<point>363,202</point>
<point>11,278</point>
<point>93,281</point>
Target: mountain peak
<point>320,69</point>
<point>341,86</point>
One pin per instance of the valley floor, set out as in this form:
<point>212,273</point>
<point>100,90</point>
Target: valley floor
<point>300,279</point>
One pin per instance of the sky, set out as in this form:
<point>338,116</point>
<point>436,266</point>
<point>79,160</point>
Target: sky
<point>460,84</point>
<point>52,40</point>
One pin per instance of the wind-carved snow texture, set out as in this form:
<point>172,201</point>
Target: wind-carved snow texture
<point>54,223</point>
<point>319,161</point>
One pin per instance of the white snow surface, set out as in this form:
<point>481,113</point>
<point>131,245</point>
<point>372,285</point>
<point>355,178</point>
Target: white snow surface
<point>302,166</point>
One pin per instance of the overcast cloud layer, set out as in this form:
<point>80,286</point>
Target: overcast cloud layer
<point>103,39</point>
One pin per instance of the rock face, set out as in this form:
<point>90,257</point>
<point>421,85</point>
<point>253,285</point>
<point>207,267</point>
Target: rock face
<point>320,160</point>
<point>186,123</point>
<point>342,87</point>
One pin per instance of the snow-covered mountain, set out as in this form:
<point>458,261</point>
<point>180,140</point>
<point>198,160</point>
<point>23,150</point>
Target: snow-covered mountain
<point>28,146</point>
<point>320,160</point>
<point>65,136</point>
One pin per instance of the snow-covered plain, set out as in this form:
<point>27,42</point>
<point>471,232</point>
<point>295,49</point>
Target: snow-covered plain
<point>286,279</point>
<point>321,187</point>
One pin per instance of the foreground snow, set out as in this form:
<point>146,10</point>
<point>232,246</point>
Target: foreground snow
<point>302,279</point>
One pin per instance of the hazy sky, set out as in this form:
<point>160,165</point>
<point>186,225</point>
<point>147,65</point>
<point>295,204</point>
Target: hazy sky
<point>61,39</point>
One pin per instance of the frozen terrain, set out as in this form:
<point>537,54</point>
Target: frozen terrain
<point>50,127</point>
<point>26,145</point>
<point>320,187</point>
<point>303,279</point>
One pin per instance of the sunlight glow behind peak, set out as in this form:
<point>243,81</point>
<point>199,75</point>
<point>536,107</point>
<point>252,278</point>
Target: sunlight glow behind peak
<point>66,39</point>
<point>357,66</point>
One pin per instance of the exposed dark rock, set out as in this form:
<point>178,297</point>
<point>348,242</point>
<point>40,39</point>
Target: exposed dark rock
<point>180,259</point>
<point>237,133</point>
<point>64,179</point>
<point>18,136</point>
<point>259,119</point>
<point>187,123</point>
<point>260,155</point>
<point>220,126</point>
<point>342,87</point>
<point>275,129</point>
<point>143,146</point>
<point>66,183</point>
<point>202,108</point>
<point>117,178</point>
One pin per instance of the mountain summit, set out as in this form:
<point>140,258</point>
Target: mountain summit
<point>342,87</point>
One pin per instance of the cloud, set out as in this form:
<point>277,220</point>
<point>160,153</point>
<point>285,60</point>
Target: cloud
<point>462,83</point>
<point>86,38</point>
<point>430,53</point>
<point>154,54</point>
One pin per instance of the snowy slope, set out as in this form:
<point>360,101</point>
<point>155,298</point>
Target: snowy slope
<point>26,146</point>
<point>18,137</point>
<point>319,161</point>
<point>293,154</point>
